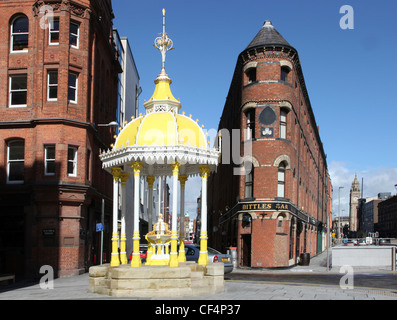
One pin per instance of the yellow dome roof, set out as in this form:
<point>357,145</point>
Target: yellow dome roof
<point>161,129</point>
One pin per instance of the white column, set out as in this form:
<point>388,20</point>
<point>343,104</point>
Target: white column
<point>123,254</point>
<point>159,202</point>
<point>115,259</point>
<point>150,180</point>
<point>204,204</point>
<point>136,259</point>
<point>203,258</point>
<point>182,256</point>
<point>174,232</point>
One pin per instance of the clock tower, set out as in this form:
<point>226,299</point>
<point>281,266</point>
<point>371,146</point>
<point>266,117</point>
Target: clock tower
<point>355,194</point>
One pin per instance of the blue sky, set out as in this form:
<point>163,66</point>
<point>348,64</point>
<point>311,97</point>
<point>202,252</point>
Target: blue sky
<point>351,75</point>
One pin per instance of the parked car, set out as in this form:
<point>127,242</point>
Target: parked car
<point>361,242</point>
<point>192,252</point>
<point>349,242</point>
<point>384,242</point>
<point>142,251</point>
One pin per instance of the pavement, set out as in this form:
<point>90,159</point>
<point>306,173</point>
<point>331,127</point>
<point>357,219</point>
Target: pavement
<point>75,288</point>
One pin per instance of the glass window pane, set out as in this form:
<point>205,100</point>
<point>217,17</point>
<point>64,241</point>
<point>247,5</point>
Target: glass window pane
<point>248,190</point>
<point>50,152</point>
<point>53,92</point>
<point>18,98</point>
<point>50,167</point>
<point>16,171</point>
<point>20,24</point>
<point>71,94</point>
<point>55,25</point>
<point>72,80</point>
<point>16,151</point>
<point>281,176</point>
<point>74,28</point>
<point>19,82</point>
<point>73,40</point>
<point>283,133</point>
<point>280,190</point>
<point>53,77</point>
<point>20,42</point>
<point>54,37</point>
<point>248,177</point>
<point>71,154</point>
<point>70,167</point>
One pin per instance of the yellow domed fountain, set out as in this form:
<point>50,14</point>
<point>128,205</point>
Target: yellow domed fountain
<point>160,143</point>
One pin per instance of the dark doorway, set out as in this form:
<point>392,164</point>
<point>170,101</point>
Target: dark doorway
<point>246,250</point>
<point>12,239</point>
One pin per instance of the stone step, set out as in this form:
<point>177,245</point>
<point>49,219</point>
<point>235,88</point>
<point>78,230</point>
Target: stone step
<point>197,275</point>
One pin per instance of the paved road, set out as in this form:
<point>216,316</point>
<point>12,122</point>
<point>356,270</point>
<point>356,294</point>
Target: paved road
<point>313,282</point>
<point>365,280</point>
<point>238,286</point>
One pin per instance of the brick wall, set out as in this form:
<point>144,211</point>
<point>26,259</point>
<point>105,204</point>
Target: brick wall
<point>61,202</point>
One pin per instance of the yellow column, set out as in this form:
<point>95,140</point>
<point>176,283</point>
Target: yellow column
<point>150,181</point>
<point>174,232</point>
<point>123,238</point>
<point>136,258</point>
<point>115,259</point>
<point>182,256</point>
<point>203,258</point>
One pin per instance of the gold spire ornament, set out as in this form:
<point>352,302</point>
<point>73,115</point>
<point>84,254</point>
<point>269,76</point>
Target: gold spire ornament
<point>163,43</point>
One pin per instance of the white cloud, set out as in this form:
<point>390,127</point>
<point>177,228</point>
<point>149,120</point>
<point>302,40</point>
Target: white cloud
<point>375,180</point>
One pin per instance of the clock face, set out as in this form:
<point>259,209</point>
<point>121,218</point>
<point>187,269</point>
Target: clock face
<point>355,198</point>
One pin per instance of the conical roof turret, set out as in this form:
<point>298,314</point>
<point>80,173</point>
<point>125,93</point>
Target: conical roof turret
<point>268,35</point>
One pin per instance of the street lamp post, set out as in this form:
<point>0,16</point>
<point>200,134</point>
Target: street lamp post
<point>339,212</point>
<point>343,214</point>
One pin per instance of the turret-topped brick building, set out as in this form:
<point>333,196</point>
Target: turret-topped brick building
<point>280,206</point>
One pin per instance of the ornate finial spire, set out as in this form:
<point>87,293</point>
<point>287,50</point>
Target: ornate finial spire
<point>162,92</point>
<point>163,43</point>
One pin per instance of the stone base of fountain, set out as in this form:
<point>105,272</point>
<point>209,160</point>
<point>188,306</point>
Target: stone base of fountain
<point>188,279</point>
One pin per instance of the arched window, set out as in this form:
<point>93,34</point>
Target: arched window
<point>283,123</point>
<point>249,180</point>
<point>251,75</point>
<point>20,34</point>
<point>250,115</point>
<point>284,73</point>
<point>281,180</point>
<point>16,161</point>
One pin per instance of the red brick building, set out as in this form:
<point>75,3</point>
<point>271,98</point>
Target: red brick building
<point>280,205</point>
<point>58,81</point>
